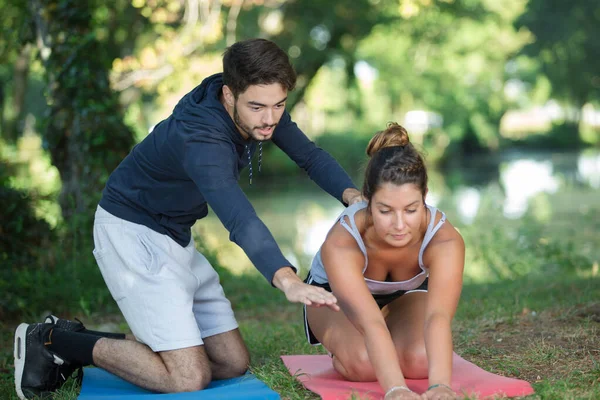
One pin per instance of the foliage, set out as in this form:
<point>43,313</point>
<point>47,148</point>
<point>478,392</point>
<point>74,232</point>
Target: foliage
<point>20,230</point>
<point>23,239</point>
<point>83,130</point>
<point>533,253</point>
<point>14,28</point>
<point>183,43</point>
<point>563,135</point>
<point>315,32</point>
<point>566,44</point>
<point>15,31</point>
<point>448,57</point>
<point>349,152</point>
<point>60,275</point>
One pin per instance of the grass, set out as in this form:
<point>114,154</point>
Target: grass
<point>553,341</point>
<point>530,309</point>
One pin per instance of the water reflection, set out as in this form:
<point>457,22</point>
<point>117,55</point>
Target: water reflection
<point>588,167</point>
<point>542,186</point>
<point>314,230</point>
<point>522,180</point>
<point>467,200</point>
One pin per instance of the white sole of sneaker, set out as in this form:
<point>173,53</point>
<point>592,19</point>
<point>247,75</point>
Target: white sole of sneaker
<point>19,353</point>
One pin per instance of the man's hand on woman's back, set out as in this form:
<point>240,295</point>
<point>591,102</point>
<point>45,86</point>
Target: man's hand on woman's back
<point>297,291</point>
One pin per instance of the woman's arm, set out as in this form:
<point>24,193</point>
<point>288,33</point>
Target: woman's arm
<point>344,262</point>
<point>445,260</point>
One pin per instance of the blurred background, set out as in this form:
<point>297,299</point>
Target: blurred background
<point>502,96</point>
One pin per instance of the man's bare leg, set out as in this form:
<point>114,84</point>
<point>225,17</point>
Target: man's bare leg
<point>182,370</point>
<point>228,354</point>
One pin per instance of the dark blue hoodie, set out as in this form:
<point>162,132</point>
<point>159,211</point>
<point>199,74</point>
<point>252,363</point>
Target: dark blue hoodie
<point>194,157</point>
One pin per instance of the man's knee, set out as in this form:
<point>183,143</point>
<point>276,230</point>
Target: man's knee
<point>188,369</point>
<point>191,379</point>
<point>228,354</point>
<point>237,364</point>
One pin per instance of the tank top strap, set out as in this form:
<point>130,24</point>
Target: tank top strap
<point>350,212</point>
<point>431,231</point>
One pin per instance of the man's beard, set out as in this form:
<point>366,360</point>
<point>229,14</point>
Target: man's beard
<point>247,130</point>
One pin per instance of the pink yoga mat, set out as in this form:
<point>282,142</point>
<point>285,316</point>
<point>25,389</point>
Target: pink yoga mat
<point>317,374</point>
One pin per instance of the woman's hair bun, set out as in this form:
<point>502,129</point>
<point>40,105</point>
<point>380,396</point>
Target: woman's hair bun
<point>393,135</point>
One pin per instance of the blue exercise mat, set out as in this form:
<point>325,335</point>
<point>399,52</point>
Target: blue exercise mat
<point>99,384</point>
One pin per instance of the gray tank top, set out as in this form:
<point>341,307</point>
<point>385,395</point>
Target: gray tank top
<point>317,270</point>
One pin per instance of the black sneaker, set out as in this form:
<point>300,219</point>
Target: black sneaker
<point>37,370</point>
<point>67,325</point>
<point>68,368</point>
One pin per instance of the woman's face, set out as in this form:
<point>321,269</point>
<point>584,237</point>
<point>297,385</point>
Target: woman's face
<point>397,212</point>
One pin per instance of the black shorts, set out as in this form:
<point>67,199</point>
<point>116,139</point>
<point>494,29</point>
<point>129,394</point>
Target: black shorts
<point>381,299</point>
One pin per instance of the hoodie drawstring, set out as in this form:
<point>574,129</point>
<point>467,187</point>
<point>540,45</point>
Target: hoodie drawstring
<point>259,155</point>
<point>250,159</point>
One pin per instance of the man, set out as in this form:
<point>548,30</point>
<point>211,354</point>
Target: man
<point>169,294</point>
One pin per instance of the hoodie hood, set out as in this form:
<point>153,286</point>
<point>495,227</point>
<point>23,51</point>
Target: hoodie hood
<point>202,106</point>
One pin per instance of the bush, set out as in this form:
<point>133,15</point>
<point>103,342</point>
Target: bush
<point>23,238</point>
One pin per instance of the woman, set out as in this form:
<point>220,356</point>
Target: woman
<point>395,265</point>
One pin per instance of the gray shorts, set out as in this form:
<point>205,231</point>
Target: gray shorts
<point>169,295</point>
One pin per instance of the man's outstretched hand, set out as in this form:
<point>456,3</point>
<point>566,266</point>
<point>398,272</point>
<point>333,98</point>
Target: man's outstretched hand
<point>352,196</point>
<point>297,291</point>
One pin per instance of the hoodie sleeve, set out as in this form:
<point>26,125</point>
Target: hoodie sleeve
<point>321,167</point>
<point>211,165</point>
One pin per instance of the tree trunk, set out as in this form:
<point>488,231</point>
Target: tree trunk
<point>12,126</point>
<point>84,131</point>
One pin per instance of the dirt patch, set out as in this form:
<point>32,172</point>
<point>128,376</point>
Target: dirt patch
<point>537,347</point>
<point>592,313</point>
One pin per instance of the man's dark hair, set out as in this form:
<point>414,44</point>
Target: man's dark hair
<point>256,62</point>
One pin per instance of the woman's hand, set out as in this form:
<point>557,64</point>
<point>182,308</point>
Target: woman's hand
<point>440,392</point>
<point>401,393</point>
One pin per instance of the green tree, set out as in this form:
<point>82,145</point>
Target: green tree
<point>448,57</point>
<point>315,32</point>
<point>15,57</point>
<point>183,45</point>
<point>83,131</point>
<point>567,47</point>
